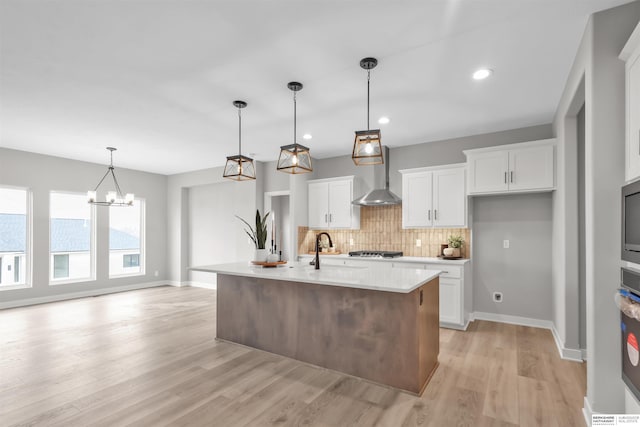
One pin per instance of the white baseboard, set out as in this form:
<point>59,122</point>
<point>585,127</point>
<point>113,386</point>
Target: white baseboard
<point>587,412</point>
<point>82,294</point>
<point>574,355</point>
<point>513,320</point>
<point>176,283</point>
<point>201,285</point>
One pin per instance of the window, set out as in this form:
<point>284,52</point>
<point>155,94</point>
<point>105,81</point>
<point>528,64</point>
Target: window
<point>126,239</point>
<point>16,268</point>
<point>14,237</point>
<point>72,238</point>
<point>61,266</point>
<point>132,260</point>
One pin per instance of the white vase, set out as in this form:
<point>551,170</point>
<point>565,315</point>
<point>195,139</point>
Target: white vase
<point>260,255</point>
<point>448,251</point>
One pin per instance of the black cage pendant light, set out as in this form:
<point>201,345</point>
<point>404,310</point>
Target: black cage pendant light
<point>294,158</point>
<point>367,146</point>
<point>239,168</point>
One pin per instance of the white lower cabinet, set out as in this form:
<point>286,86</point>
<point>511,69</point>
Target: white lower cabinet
<point>455,291</point>
<point>450,307</point>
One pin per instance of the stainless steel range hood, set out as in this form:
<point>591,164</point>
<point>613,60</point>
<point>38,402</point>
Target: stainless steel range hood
<point>380,196</point>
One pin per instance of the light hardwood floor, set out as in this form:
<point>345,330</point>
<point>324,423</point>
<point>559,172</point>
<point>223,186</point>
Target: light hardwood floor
<point>149,358</point>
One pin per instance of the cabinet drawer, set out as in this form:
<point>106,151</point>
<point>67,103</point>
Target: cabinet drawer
<point>409,265</point>
<point>450,271</point>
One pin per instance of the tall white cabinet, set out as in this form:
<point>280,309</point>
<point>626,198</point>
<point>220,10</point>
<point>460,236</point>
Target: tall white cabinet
<point>524,167</point>
<point>434,197</point>
<point>330,204</point>
<point>631,55</point>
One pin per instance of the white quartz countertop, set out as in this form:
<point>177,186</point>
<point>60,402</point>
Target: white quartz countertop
<point>375,277</point>
<point>414,259</point>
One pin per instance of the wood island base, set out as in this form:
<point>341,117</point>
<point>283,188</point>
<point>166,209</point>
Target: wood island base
<point>388,337</point>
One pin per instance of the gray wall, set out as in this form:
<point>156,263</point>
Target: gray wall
<point>450,151</point>
<point>582,249</point>
<point>422,155</point>
<point>599,70</point>
<point>179,211</point>
<point>215,235</point>
<point>42,174</point>
<point>523,272</point>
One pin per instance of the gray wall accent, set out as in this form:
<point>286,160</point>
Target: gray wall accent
<point>597,67</point>
<point>522,272</point>
<point>42,174</point>
<point>582,252</point>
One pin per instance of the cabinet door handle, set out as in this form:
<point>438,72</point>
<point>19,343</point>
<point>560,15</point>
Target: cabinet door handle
<point>421,297</point>
<point>505,177</point>
<point>330,217</point>
<point>512,177</point>
<point>435,214</point>
<point>325,218</point>
<point>429,214</point>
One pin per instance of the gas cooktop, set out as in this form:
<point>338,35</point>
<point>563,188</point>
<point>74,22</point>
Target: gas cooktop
<point>376,254</point>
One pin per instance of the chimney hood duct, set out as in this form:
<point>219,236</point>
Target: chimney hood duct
<point>380,196</point>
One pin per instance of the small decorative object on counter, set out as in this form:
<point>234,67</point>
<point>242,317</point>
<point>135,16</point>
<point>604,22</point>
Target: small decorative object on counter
<point>455,243</point>
<point>258,236</point>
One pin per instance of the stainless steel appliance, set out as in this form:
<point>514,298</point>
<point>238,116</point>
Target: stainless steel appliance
<point>376,254</point>
<point>631,222</point>
<point>630,331</point>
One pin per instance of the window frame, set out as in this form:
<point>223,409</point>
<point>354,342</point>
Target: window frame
<point>92,246</point>
<point>28,255</point>
<point>142,250</point>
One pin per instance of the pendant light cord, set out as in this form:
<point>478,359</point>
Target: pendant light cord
<point>240,133</point>
<point>294,117</point>
<point>368,80</point>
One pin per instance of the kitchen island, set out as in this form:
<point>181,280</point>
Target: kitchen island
<point>377,323</point>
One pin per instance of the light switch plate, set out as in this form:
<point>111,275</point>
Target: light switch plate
<point>505,244</point>
<point>418,242</point>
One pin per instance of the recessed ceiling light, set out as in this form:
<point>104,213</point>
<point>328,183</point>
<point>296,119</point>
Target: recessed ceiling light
<point>307,136</point>
<point>482,74</point>
<point>383,120</point>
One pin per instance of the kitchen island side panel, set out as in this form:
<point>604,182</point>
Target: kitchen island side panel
<point>374,335</point>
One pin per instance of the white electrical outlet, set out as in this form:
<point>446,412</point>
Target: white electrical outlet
<point>350,242</point>
<point>497,296</point>
<point>418,242</point>
<point>155,273</point>
<point>505,244</point>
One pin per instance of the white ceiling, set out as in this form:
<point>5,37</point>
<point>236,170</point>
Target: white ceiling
<point>157,78</point>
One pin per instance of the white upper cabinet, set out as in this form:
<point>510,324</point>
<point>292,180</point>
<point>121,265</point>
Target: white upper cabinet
<point>330,204</point>
<point>434,197</point>
<point>631,54</point>
<point>524,167</point>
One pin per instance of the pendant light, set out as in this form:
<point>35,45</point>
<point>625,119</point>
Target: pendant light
<point>113,198</point>
<point>294,158</point>
<point>239,167</point>
<point>367,146</point>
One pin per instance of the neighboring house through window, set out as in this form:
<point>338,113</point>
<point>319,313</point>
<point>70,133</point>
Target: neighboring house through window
<point>72,238</point>
<point>14,237</point>
<point>126,239</point>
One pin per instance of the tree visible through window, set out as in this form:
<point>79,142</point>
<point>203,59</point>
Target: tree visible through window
<point>126,239</point>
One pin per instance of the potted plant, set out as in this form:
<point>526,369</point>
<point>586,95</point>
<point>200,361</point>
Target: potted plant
<point>455,243</point>
<point>258,236</point>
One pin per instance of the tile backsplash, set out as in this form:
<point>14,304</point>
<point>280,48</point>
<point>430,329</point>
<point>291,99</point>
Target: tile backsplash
<point>381,229</point>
